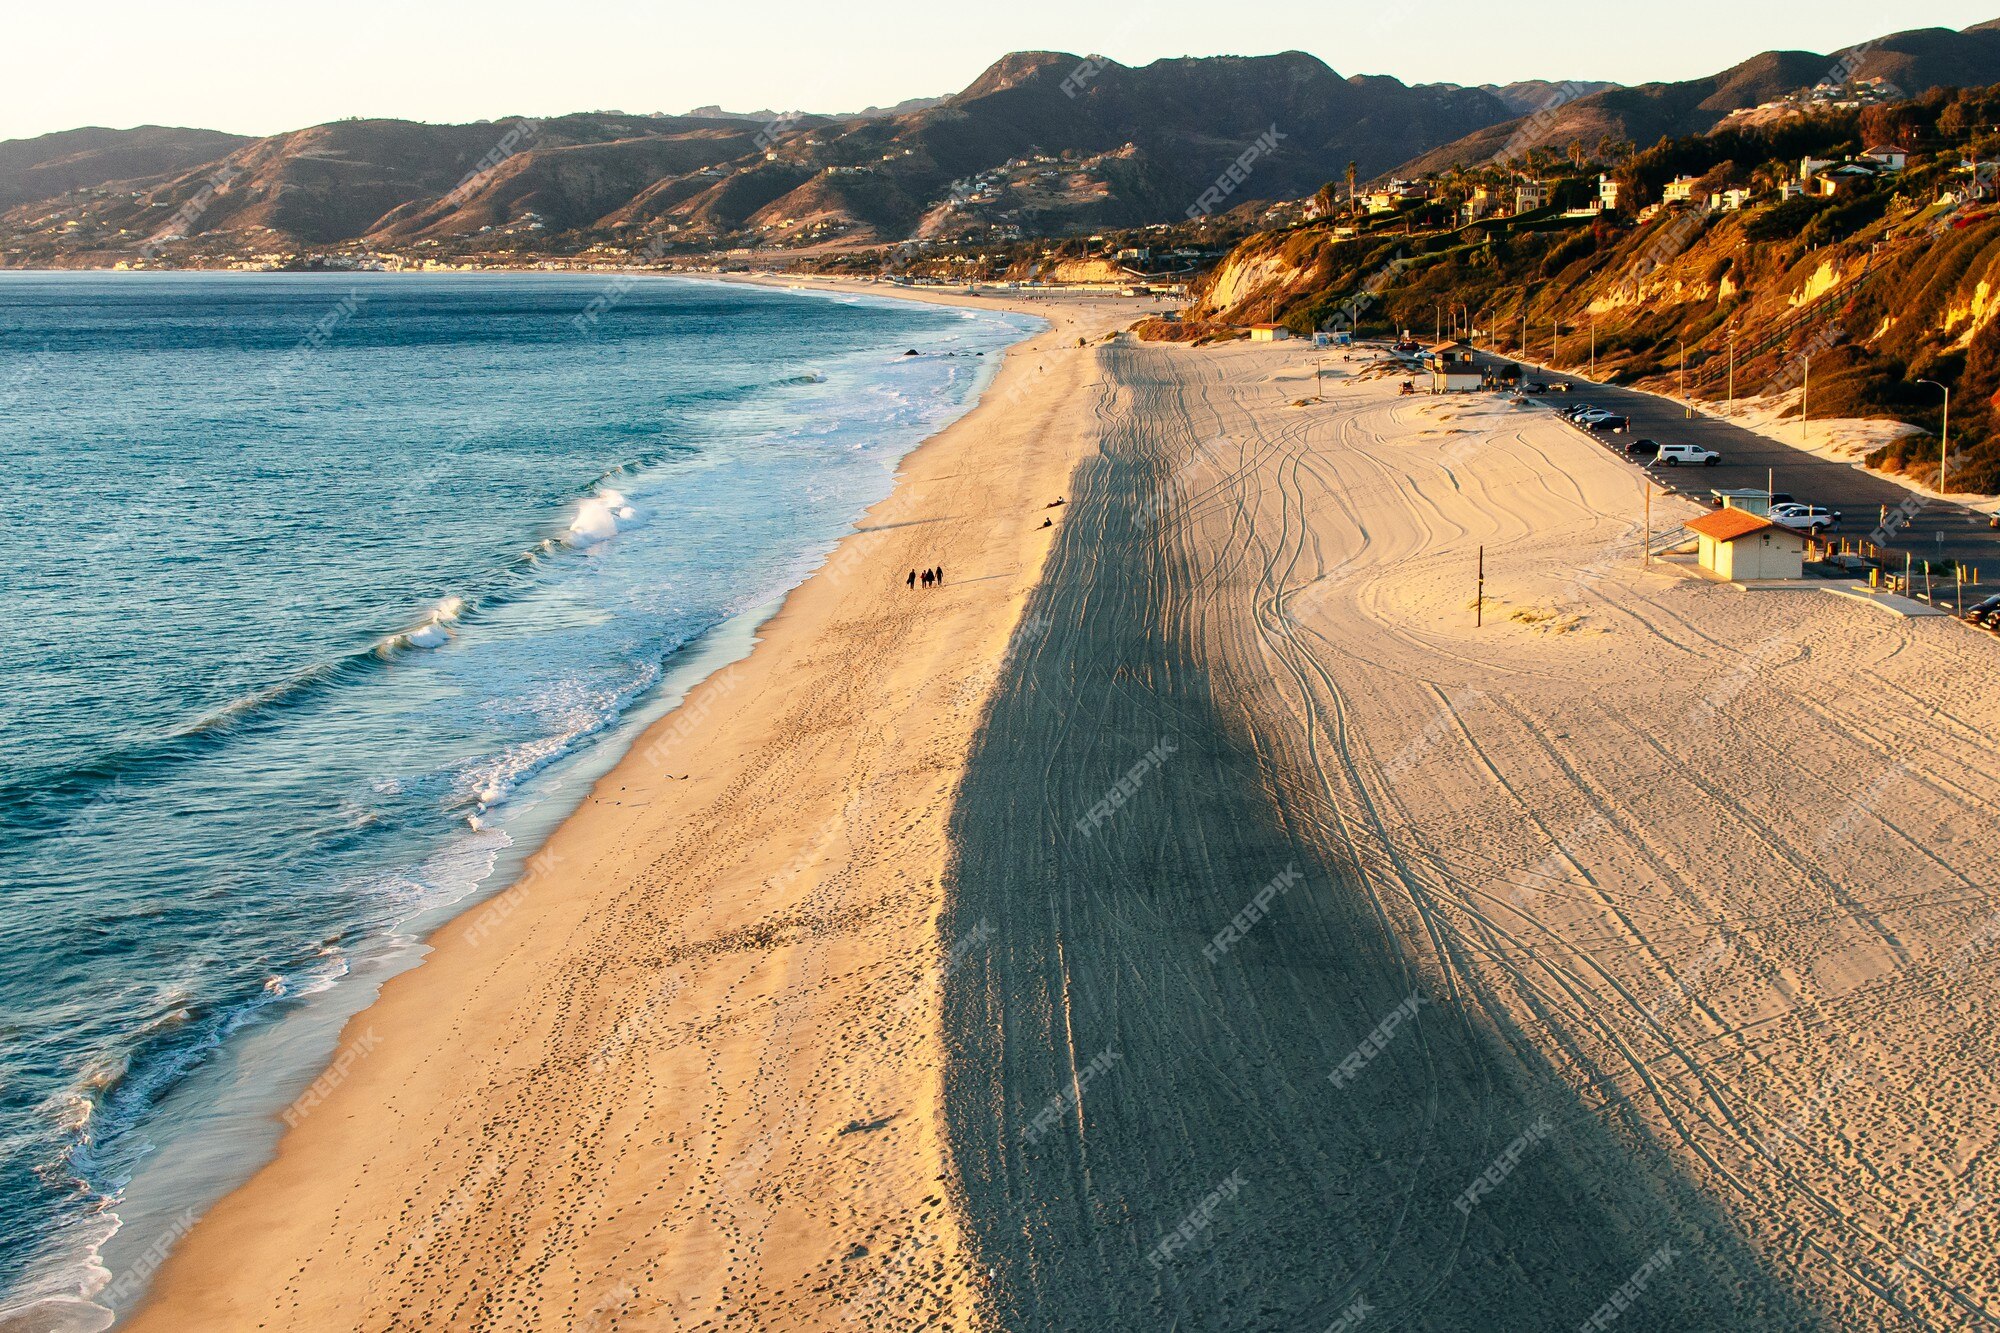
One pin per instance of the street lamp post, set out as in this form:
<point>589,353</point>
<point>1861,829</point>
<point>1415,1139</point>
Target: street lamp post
<point>1732,370</point>
<point>1687,404</point>
<point>1805,399</point>
<point>1944,434</point>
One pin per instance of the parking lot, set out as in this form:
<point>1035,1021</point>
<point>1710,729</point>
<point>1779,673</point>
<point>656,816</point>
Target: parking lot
<point>1941,531</point>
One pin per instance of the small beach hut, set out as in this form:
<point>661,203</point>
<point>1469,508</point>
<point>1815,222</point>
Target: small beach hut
<point>1454,369</point>
<point>1739,545</point>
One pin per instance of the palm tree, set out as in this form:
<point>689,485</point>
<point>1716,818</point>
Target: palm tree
<point>1353,170</point>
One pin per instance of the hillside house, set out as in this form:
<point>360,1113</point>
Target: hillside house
<point>1849,178</point>
<point>1396,195</point>
<point>1680,190</point>
<point>1531,195</point>
<point>1889,155</point>
<point>1607,194</point>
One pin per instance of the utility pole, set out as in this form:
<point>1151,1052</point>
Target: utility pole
<point>1479,601</point>
<point>1944,435</point>
<point>1687,404</point>
<point>1805,400</point>
<point>1732,371</point>
<point>1555,332</point>
<point>1646,552</point>
<point>1593,347</point>
<point>1524,328</point>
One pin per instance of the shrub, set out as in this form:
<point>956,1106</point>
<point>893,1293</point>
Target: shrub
<point>1783,221</point>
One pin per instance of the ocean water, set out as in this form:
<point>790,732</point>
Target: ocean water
<point>325,596</point>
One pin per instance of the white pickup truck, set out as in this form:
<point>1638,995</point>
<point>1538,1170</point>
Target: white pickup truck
<point>1673,455</point>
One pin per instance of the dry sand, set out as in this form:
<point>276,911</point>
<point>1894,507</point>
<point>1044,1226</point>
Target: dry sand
<point>1309,958</point>
<point>1649,930</point>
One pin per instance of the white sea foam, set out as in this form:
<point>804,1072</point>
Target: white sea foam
<point>432,633</point>
<point>570,712</point>
<point>600,517</point>
<point>56,1294</point>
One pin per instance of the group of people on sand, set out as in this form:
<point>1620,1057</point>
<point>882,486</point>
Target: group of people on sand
<point>934,578</point>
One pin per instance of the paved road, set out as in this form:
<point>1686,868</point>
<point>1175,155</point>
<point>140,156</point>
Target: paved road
<point>1942,531</point>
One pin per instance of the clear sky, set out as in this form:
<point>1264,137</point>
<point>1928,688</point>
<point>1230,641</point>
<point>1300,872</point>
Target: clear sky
<point>260,67</point>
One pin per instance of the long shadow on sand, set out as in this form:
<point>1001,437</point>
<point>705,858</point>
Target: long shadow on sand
<point>1147,1137</point>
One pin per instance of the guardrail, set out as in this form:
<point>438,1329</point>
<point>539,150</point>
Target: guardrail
<point>1662,543</point>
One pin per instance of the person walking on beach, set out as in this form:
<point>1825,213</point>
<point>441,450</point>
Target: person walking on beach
<point>913,580</point>
<point>940,575</point>
<point>927,579</point>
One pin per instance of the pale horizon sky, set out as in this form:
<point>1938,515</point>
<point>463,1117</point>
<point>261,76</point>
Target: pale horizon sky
<point>262,68</point>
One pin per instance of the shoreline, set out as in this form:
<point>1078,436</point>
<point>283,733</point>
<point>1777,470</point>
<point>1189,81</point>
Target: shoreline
<point>162,1201</point>
<point>503,915</point>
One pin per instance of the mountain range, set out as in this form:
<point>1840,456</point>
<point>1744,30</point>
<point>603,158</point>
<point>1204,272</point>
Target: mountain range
<point>1041,144</point>
<point>1912,61</point>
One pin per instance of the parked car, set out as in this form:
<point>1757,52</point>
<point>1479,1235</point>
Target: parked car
<point>1803,517</point>
<point>1558,386</point>
<point>1610,425</point>
<point>1673,455</point>
<point>1587,415</point>
<point>1642,448</point>
<point>1534,386</point>
<point>1986,613</point>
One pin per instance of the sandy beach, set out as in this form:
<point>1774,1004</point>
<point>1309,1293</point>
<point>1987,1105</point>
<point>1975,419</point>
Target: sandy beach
<point>1187,919</point>
<point>687,1071</point>
<point>1625,959</point>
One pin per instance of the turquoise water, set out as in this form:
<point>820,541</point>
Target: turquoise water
<point>326,594</point>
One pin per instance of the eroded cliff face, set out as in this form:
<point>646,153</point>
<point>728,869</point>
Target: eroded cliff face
<point>1912,294</point>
